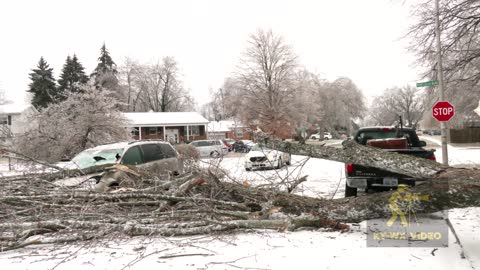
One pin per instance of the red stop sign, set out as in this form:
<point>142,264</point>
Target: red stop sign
<point>443,111</point>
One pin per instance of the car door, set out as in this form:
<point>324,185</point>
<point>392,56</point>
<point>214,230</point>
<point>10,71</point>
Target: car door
<point>133,156</point>
<point>159,159</point>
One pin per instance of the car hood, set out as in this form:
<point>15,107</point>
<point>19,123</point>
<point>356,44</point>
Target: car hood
<point>81,182</point>
<point>261,153</point>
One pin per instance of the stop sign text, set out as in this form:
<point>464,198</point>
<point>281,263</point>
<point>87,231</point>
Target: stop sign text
<point>443,111</point>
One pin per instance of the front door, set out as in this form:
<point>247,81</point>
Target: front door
<point>172,135</point>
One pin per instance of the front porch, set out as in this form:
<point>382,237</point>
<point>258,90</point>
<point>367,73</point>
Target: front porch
<point>172,134</point>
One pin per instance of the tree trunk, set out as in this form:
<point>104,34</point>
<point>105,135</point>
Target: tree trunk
<point>445,187</point>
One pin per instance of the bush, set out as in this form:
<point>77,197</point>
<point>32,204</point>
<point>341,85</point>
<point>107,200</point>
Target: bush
<point>188,152</point>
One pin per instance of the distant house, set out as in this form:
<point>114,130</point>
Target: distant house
<point>175,127</point>
<point>229,129</point>
<point>14,119</point>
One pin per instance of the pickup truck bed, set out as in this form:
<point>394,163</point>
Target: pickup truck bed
<point>361,177</point>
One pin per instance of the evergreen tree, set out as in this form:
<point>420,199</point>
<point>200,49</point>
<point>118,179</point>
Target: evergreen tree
<point>43,85</point>
<point>73,76</point>
<point>105,73</point>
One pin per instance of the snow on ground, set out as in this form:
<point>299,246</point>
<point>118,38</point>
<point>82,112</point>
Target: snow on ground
<point>268,249</point>
<point>325,178</point>
<point>456,154</point>
<point>253,250</point>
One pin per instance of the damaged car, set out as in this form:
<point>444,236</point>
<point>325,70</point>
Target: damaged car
<point>260,157</point>
<point>154,157</point>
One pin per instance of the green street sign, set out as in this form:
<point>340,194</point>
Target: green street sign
<point>430,83</point>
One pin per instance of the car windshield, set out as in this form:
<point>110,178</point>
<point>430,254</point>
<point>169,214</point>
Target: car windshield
<point>92,157</point>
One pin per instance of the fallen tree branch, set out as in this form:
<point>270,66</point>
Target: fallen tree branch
<point>364,155</point>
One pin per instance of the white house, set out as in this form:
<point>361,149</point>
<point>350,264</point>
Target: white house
<point>14,119</point>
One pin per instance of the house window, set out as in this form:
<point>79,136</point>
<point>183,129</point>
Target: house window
<point>3,120</point>
<point>238,132</point>
<point>153,130</point>
<point>194,131</point>
<point>135,132</point>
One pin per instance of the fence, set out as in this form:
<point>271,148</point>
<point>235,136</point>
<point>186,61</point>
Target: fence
<point>465,135</point>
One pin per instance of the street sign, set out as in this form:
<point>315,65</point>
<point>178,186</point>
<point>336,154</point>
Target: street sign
<point>430,83</point>
<point>443,111</point>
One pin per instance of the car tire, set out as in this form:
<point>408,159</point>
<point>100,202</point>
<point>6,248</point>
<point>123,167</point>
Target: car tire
<point>215,154</point>
<point>350,191</point>
<point>248,169</point>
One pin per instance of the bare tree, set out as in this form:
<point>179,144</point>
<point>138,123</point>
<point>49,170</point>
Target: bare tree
<point>154,87</point>
<point>128,77</point>
<point>330,105</point>
<point>406,101</point>
<point>83,120</point>
<point>265,78</point>
<point>161,89</point>
<point>459,23</point>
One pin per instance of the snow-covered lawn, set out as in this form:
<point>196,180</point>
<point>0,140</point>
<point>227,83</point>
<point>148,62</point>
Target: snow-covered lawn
<point>269,249</point>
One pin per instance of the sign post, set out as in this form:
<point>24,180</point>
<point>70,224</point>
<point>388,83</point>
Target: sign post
<point>443,111</point>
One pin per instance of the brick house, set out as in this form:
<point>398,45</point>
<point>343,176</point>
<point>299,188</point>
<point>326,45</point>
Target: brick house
<point>176,127</point>
<point>229,129</point>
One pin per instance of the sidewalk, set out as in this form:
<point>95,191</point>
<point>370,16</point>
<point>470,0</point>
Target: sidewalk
<point>466,223</point>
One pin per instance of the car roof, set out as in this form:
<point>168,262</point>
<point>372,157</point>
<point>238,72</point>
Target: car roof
<point>383,127</point>
<point>110,146</point>
<point>125,144</point>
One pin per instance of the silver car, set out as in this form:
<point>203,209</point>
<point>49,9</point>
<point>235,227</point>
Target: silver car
<point>210,148</point>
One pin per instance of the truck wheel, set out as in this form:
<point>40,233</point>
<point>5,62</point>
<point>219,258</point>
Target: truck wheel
<point>350,191</point>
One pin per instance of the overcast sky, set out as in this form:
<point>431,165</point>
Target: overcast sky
<point>357,39</point>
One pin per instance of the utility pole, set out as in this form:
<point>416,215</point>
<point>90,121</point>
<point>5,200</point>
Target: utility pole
<point>443,125</point>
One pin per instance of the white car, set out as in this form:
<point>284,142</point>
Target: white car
<point>210,148</point>
<point>260,157</point>
<point>326,136</point>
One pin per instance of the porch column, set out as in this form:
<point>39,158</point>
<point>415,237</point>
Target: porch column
<point>206,133</point>
<point>164,135</point>
<point>139,133</point>
<point>188,133</point>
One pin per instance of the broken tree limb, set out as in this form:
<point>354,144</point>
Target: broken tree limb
<point>355,153</point>
<point>30,159</point>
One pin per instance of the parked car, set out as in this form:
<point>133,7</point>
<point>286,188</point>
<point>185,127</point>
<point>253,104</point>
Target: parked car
<point>326,136</point>
<point>261,157</point>
<point>157,157</point>
<point>243,146</point>
<point>435,132</point>
<point>210,148</point>
<point>229,143</point>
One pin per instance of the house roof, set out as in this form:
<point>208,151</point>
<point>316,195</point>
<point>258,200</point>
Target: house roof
<point>165,118</point>
<point>222,126</point>
<point>13,108</point>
